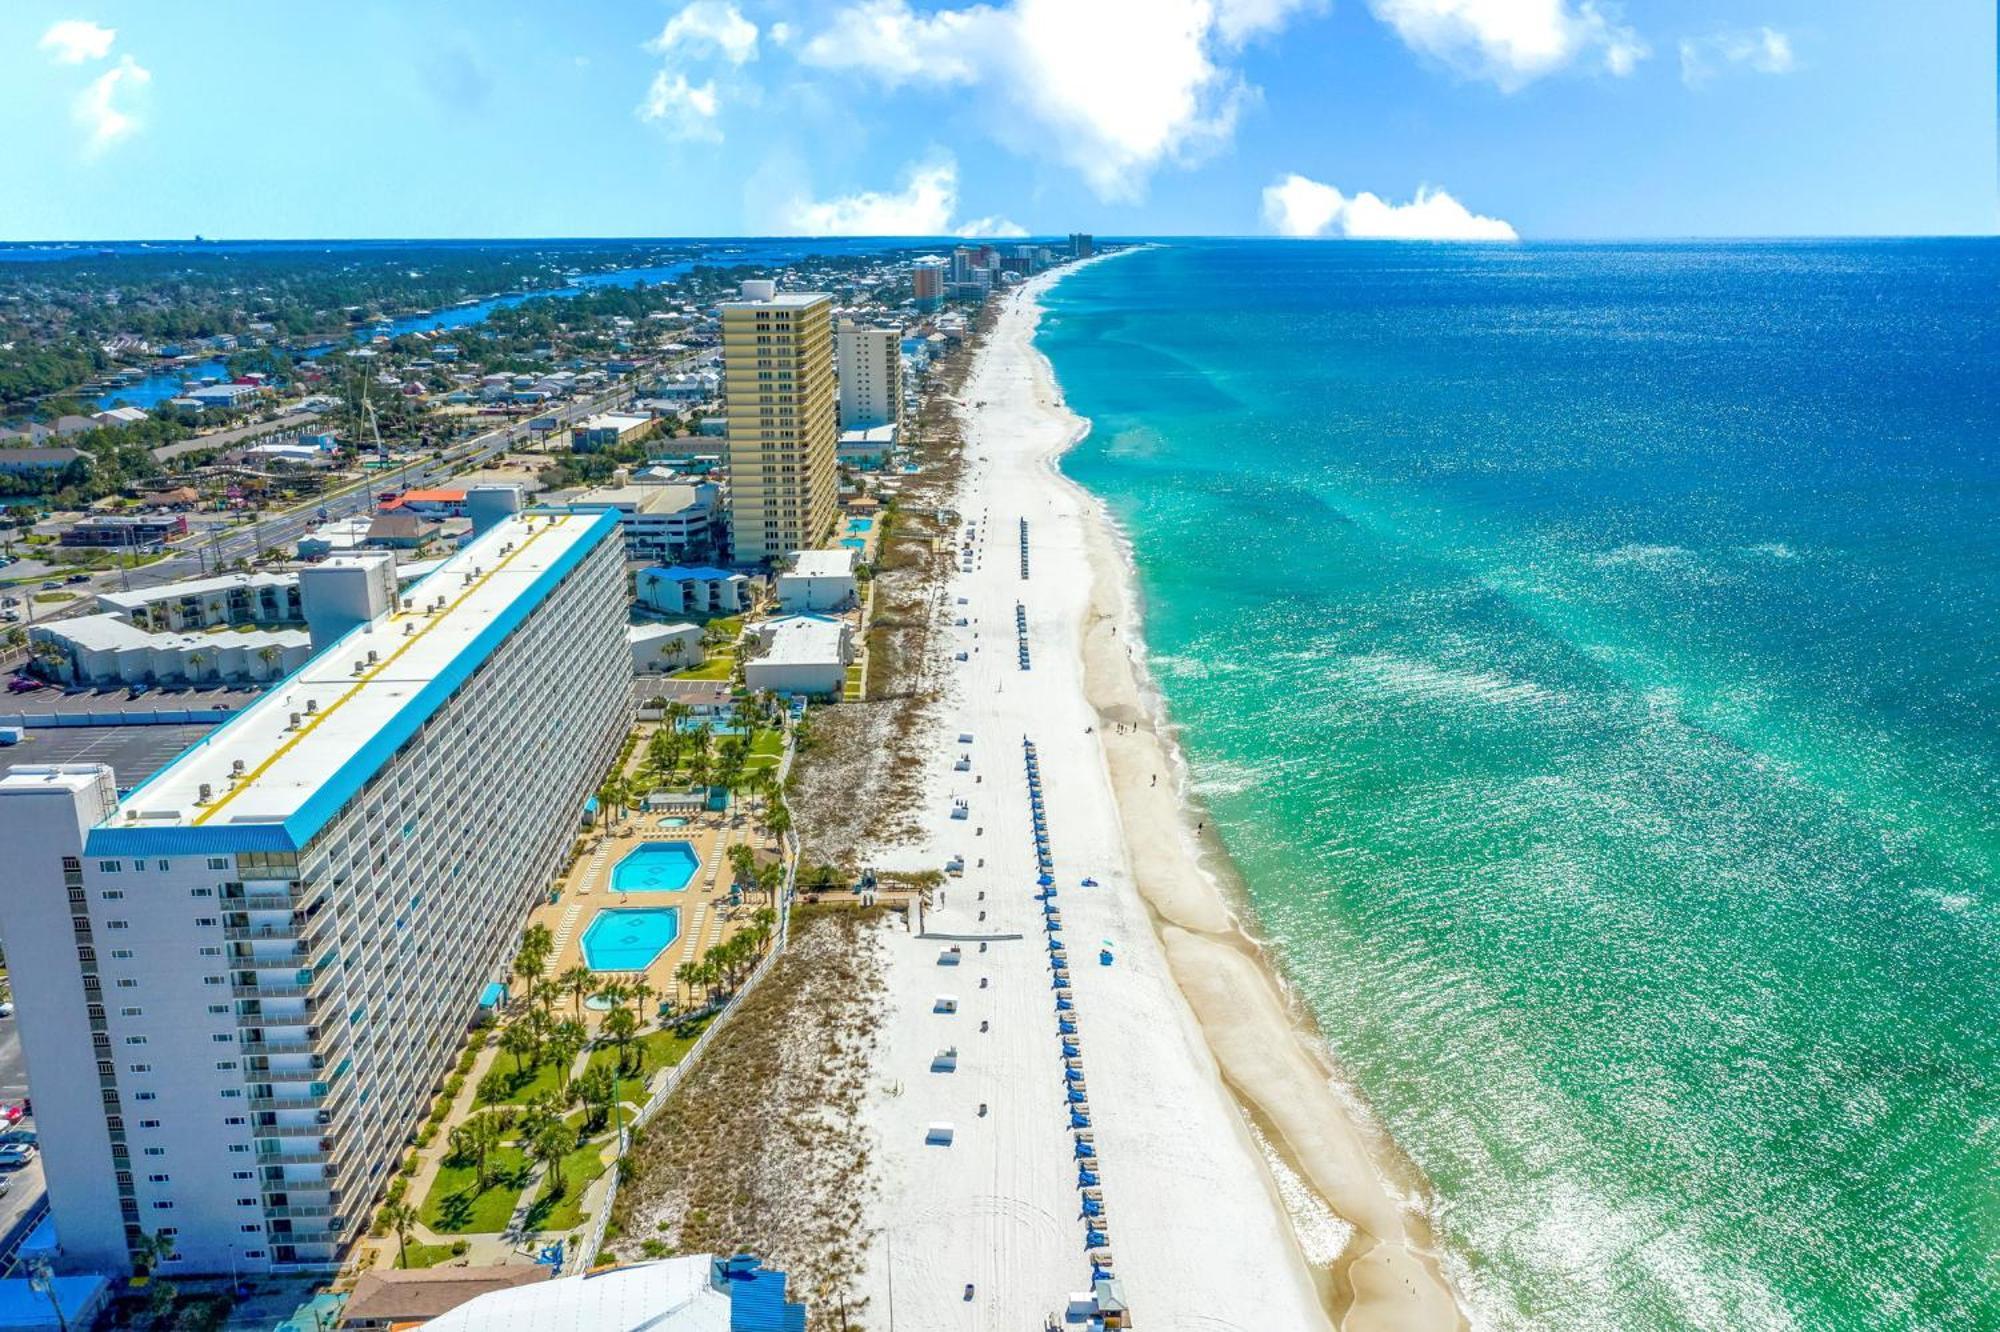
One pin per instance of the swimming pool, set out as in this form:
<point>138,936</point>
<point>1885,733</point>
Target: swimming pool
<point>861,524</point>
<point>854,543</point>
<point>629,940</point>
<point>656,867</point>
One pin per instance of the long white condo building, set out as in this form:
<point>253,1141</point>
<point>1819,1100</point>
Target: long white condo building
<point>239,986</point>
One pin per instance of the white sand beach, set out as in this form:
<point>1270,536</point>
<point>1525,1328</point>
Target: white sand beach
<point>1182,1038</point>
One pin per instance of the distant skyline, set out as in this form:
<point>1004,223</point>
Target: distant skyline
<point>1461,118</point>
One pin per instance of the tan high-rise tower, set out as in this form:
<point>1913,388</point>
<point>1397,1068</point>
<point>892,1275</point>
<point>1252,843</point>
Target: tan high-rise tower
<point>778,387</point>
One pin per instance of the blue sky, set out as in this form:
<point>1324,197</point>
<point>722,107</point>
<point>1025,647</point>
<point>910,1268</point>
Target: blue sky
<point>1542,118</point>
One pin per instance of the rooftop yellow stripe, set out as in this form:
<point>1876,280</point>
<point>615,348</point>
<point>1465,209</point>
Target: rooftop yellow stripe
<point>249,778</point>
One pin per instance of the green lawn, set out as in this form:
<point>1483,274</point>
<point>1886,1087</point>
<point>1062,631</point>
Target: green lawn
<point>423,1255</point>
<point>718,667</point>
<point>663,1049</point>
<point>452,1207</point>
<point>767,743</point>
<point>524,1087</point>
<point>579,1168</point>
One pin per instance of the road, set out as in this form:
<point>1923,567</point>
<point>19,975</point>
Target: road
<point>194,559</point>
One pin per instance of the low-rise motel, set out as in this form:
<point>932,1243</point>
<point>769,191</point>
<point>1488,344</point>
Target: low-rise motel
<point>238,985</point>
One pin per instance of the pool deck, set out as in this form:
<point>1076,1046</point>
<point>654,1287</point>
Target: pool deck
<point>706,918</point>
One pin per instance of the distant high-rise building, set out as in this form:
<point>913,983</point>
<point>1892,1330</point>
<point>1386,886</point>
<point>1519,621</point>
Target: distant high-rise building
<point>240,986</point>
<point>870,362</point>
<point>778,393</point>
<point>963,262</point>
<point>927,282</point>
<point>1081,245</point>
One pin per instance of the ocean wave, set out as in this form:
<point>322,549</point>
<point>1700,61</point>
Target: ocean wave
<point>1388,675</point>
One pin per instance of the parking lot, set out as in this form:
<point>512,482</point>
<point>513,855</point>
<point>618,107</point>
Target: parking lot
<point>134,752</point>
<point>120,701</point>
<point>20,1189</point>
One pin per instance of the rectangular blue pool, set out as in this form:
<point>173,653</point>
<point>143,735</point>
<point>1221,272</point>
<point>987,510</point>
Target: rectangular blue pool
<point>629,939</point>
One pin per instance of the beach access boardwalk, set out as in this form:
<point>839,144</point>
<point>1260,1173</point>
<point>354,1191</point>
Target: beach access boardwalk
<point>996,1199</point>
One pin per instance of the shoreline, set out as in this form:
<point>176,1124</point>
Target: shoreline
<point>1270,1057</point>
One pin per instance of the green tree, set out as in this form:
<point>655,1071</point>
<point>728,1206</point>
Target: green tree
<point>621,1027</point>
<point>519,1041</point>
<point>474,1142</point>
<point>566,1042</point>
<point>578,981</point>
<point>595,1089</point>
<point>400,1217</point>
<point>551,1144</point>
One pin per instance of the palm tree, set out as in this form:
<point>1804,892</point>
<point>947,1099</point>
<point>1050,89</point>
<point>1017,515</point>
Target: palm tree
<point>476,1140</point>
<point>518,1041</point>
<point>268,655</point>
<point>770,878</point>
<point>621,1027</point>
<point>743,864</point>
<point>400,1217</point>
<point>197,662</point>
<point>595,1089</point>
<point>578,980</point>
<point>688,974</point>
<point>641,994</point>
<point>566,1042</point>
<point>550,1146</point>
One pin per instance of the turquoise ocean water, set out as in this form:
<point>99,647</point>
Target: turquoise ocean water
<point>1591,658</point>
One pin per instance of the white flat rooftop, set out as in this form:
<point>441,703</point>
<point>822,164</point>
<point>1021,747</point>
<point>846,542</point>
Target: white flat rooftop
<point>361,697</point>
<point>822,564</point>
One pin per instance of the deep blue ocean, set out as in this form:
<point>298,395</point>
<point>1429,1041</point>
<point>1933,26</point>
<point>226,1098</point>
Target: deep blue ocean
<point>1590,655</point>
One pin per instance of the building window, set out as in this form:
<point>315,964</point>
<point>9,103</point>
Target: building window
<point>149,1123</point>
<point>113,895</point>
<point>156,1151</point>
<point>135,1040</point>
<point>108,866</point>
<point>218,1008</point>
<point>131,1012</point>
<point>250,1228</point>
<point>253,1253</point>
<point>164,1205</point>
<point>139,1068</point>
<point>204,920</point>
<point>234,1120</point>
<point>122,954</point>
<point>117,924</point>
<point>242,1174</point>
<point>211,950</point>
<point>146,1096</point>
<point>246,1202</point>
<point>218,862</point>
<point>201,892</point>
<point>159,1179</point>
<point>229,1093</point>
<point>239,1146</point>
<point>224,1037</point>
<point>127,983</point>
<point>163,866</point>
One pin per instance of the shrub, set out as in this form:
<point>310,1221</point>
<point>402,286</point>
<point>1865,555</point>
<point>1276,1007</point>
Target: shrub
<point>459,1246</point>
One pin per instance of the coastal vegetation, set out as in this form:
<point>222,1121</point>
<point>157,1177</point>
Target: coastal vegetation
<point>762,1146</point>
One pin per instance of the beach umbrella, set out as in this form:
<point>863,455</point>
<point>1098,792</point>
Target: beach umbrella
<point>1046,880</point>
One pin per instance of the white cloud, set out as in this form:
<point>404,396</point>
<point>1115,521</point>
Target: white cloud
<point>1762,50</point>
<point>101,107</point>
<point>1115,88</point>
<point>990,228</point>
<point>1299,206</point>
<point>923,207</point>
<point>708,27</point>
<point>74,41</point>
<point>1514,42</point>
<point>685,110</point>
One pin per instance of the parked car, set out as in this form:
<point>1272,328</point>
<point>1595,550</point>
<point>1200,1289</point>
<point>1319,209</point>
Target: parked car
<point>10,617</point>
<point>140,690</point>
<point>19,1137</point>
<point>23,684</point>
<point>15,1156</point>
<point>77,578</point>
<point>51,585</point>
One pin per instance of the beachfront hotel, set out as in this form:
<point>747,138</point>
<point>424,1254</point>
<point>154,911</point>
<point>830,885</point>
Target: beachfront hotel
<point>239,985</point>
<point>778,391</point>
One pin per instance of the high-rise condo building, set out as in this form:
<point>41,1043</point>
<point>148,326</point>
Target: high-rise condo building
<point>239,985</point>
<point>1081,245</point>
<point>870,361</point>
<point>927,282</point>
<point>777,385</point>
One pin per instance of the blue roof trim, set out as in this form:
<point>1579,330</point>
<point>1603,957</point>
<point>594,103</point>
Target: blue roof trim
<point>684,572</point>
<point>340,786</point>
